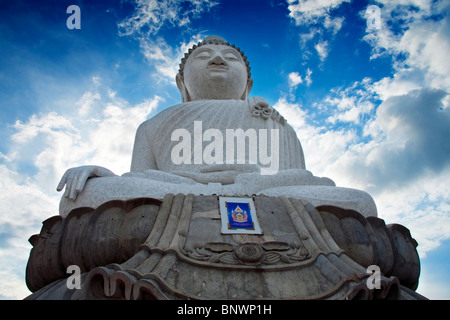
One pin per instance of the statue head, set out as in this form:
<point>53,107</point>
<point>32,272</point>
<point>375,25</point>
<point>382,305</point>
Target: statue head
<point>214,69</point>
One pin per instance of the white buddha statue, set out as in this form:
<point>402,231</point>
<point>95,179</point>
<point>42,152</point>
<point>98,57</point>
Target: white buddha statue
<point>217,141</point>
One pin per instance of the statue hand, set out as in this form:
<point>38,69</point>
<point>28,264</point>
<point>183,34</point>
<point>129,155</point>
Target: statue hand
<point>223,173</point>
<point>75,179</point>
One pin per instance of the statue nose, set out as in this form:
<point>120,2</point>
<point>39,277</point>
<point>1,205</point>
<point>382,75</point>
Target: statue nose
<point>218,60</point>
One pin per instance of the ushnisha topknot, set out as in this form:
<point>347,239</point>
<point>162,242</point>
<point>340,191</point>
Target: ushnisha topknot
<point>212,40</point>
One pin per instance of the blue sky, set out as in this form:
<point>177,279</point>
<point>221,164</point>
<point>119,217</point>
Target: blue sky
<point>371,107</point>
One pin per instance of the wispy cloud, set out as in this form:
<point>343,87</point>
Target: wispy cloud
<point>317,16</point>
<point>165,58</point>
<point>407,179</point>
<point>347,106</point>
<point>322,49</point>
<point>295,79</point>
<point>147,20</point>
<point>307,12</point>
<point>407,137</point>
<point>151,15</point>
<point>414,115</point>
<point>98,129</point>
<point>422,44</point>
<point>389,137</point>
<point>94,125</point>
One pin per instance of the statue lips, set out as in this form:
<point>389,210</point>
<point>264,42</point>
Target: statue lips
<point>217,67</point>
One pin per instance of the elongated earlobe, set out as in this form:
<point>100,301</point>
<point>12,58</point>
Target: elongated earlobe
<point>182,88</point>
<point>247,89</point>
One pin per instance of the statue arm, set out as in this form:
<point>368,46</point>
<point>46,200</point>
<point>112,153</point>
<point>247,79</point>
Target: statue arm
<point>143,158</point>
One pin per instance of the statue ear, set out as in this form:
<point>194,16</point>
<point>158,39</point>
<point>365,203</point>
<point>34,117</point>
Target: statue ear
<point>248,88</point>
<point>184,93</point>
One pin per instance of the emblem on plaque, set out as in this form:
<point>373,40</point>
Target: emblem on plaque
<point>238,216</point>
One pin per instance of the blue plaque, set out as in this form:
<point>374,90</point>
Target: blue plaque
<point>239,216</point>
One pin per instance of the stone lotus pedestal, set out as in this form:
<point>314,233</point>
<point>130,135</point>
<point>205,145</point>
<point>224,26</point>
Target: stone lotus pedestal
<point>173,249</point>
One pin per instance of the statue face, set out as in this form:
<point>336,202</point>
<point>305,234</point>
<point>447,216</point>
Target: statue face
<point>216,72</point>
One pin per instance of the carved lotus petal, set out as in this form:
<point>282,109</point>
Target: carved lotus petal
<point>219,247</point>
<point>285,258</point>
<point>228,258</point>
<point>214,259</point>
<point>275,246</point>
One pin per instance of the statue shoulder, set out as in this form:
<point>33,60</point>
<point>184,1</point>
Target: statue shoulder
<point>156,120</point>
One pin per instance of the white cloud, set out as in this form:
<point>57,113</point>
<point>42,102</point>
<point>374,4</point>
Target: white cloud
<point>408,135</point>
<point>351,105</point>
<point>321,147</point>
<point>316,14</point>
<point>407,189</point>
<point>151,15</point>
<point>146,21</point>
<point>403,161</point>
<point>24,206</point>
<point>422,206</point>
<point>427,46</point>
<point>423,42</point>
<point>42,148</point>
<point>402,82</point>
<point>333,24</point>
<point>394,144</point>
<point>308,36</point>
<point>293,112</point>
<point>103,134</point>
<point>412,121</point>
<point>165,58</point>
<point>308,79</point>
<point>322,49</point>
<point>306,12</point>
<point>294,79</point>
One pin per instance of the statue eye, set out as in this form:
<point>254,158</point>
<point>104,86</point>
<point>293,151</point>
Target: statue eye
<point>230,56</point>
<point>203,55</point>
